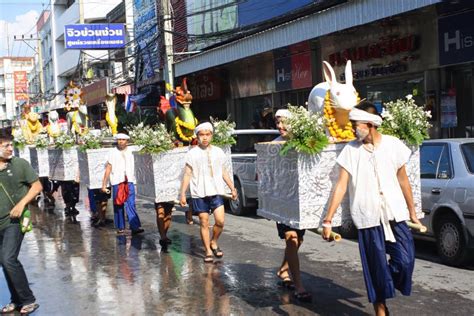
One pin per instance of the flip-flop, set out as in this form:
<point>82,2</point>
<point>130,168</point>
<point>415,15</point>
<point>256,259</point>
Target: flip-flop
<point>28,309</point>
<point>9,308</point>
<point>216,251</point>
<point>208,259</point>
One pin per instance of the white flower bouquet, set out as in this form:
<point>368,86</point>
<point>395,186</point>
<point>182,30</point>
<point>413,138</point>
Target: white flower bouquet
<point>152,140</point>
<point>223,132</point>
<point>406,120</point>
<point>19,140</point>
<point>42,141</point>
<point>90,141</point>
<point>306,131</point>
<point>64,141</point>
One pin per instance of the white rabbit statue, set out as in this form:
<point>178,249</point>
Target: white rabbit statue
<point>335,100</point>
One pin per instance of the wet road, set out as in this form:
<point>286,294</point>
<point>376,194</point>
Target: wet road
<point>75,269</point>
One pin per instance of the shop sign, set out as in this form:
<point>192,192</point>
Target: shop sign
<point>94,36</point>
<point>205,87</point>
<point>386,47</point>
<point>96,92</point>
<point>456,38</point>
<point>293,72</point>
<point>20,81</point>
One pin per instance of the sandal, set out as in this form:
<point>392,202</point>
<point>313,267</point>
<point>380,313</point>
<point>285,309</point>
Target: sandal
<point>9,308</point>
<point>304,297</point>
<point>217,252</point>
<point>28,309</point>
<point>208,259</point>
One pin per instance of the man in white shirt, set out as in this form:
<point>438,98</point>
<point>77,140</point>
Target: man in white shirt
<point>205,171</point>
<point>121,171</point>
<point>381,201</point>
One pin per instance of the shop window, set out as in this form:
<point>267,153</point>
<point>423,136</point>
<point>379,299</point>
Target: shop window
<point>254,113</point>
<point>380,93</point>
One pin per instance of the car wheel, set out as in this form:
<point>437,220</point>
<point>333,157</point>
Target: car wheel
<point>236,207</point>
<point>450,241</point>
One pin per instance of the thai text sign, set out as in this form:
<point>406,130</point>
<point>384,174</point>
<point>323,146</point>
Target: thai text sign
<point>94,36</point>
<point>20,80</point>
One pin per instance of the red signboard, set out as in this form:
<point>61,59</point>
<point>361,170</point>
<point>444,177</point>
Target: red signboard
<point>20,80</point>
<point>96,92</point>
<point>205,87</point>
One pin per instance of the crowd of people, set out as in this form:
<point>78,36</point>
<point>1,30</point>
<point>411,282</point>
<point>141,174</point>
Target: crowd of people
<point>372,169</point>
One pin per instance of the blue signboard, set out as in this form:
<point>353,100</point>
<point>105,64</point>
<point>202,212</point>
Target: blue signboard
<point>456,38</point>
<point>147,36</point>
<point>257,11</point>
<point>94,36</point>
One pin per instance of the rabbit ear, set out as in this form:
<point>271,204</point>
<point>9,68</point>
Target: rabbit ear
<point>329,74</point>
<point>348,73</point>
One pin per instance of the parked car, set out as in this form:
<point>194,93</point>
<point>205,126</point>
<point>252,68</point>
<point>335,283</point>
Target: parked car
<point>244,159</point>
<point>447,188</point>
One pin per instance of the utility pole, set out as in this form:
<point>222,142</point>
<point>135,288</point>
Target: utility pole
<point>168,39</point>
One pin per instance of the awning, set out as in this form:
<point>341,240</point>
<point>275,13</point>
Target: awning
<point>335,19</point>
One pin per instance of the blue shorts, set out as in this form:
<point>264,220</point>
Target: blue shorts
<point>207,204</point>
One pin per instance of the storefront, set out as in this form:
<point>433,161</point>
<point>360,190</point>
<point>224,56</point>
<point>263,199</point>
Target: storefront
<point>456,57</point>
<point>391,58</point>
<point>210,91</point>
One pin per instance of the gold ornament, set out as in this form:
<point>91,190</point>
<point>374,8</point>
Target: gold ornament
<point>188,126</point>
<point>345,134</point>
<point>113,125</point>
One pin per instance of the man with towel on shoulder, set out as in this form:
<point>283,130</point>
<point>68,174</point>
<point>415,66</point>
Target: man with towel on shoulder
<point>381,201</point>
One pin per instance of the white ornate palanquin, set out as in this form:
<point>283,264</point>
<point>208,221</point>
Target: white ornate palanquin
<point>40,161</point>
<point>92,164</point>
<point>23,153</point>
<point>295,189</point>
<point>159,175</point>
<point>63,164</point>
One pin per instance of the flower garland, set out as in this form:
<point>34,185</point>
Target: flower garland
<point>335,131</point>
<point>188,126</point>
<point>81,130</point>
<point>33,127</point>
<point>113,125</point>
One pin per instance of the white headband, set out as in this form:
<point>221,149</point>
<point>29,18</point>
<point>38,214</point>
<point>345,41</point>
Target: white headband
<point>204,126</point>
<point>283,113</point>
<point>121,136</point>
<point>363,116</point>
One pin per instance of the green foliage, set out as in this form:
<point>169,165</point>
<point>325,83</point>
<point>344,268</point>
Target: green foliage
<point>223,133</point>
<point>406,121</point>
<point>306,132</point>
<point>152,140</point>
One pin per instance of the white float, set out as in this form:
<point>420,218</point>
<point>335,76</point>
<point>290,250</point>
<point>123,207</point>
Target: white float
<point>295,189</point>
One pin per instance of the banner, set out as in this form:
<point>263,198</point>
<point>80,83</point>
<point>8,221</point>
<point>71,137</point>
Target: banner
<point>94,36</point>
<point>20,80</point>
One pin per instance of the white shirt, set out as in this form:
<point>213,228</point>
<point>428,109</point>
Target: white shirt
<point>364,192</point>
<point>207,165</point>
<point>123,164</point>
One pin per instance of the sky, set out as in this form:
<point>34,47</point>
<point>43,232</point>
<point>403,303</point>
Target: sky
<point>19,17</point>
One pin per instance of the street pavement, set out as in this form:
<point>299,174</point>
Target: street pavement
<point>75,269</point>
